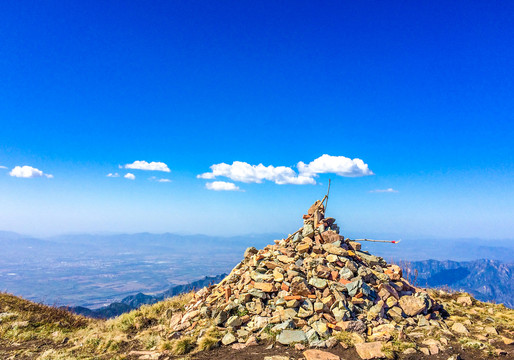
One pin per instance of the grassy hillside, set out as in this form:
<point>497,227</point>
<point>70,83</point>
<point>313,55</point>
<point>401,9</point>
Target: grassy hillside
<point>34,331</point>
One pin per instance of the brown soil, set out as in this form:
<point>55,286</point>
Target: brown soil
<point>259,352</point>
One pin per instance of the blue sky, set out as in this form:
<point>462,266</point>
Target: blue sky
<point>421,92</point>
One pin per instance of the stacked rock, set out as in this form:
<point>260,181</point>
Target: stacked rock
<point>308,285</point>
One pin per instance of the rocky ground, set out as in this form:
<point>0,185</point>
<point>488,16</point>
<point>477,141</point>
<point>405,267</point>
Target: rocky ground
<point>312,295</point>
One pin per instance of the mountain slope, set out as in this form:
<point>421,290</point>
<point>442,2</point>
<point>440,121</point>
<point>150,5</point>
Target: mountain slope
<point>133,302</point>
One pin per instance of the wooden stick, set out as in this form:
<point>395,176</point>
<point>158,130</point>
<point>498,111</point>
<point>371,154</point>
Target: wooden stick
<point>328,192</point>
<point>381,241</point>
<point>293,234</point>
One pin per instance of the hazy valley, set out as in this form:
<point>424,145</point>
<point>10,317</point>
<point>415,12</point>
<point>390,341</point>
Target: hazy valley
<point>94,271</point>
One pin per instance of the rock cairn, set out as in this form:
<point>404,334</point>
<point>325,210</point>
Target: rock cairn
<point>307,286</point>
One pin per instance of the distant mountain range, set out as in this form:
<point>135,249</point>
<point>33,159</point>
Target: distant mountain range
<point>95,271</point>
<point>133,302</point>
<point>487,280</point>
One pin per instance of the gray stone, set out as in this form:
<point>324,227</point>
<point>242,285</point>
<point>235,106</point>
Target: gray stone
<point>354,287</point>
<point>287,337</point>
<point>234,321</point>
<point>423,322</point>
<point>250,251</point>
<point>459,329</point>
<point>356,326</point>
<point>228,339</point>
<point>372,260</point>
<point>312,336</point>
<point>346,273</point>
<point>412,305</point>
<point>306,309</point>
<point>366,290</point>
<point>257,293</point>
<point>288,324</point>
<point>321,328</point>
<point>318,283</point>
<point>409,351</point>
<point>308,230</point>
<point>221,318</point>
<point>260,321</point>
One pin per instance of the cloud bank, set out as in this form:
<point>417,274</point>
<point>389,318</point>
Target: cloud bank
<point>338,165</point>
<point>247,173</point>
<point>144,165</point>
<point>244,172</point>
<point>28,172</point>
<point>221,186</point>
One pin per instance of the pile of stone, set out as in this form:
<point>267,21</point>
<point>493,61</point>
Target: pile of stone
<point>307,286</point>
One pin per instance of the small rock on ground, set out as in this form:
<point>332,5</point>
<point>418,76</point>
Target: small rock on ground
<point>371,350</point>
<point>319,355</point>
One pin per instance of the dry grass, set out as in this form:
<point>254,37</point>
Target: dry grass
<point>58,334</point>
<point>345,337</point>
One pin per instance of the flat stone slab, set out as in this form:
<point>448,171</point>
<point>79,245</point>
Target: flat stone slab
<point>287,337</point>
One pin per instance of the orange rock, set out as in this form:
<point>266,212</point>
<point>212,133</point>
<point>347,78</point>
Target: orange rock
<point>371,350</point>
<point>284,287</point>
<point>329,318</point>
<point>302,248</point>
<point>317,205</point>
<point>314,354</point>
<point>334,275</point>
<point>355,245</point>
<point>270,264</point>
<point>330,236</point>
<point>344,281</point>
<point>283,251</point>
<point>266,287</point>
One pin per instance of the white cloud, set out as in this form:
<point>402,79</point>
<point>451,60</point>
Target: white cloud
<point>28,172</point>
<point>113,175</point>
<point>152,166</point>
<point>130,176</point>
<point>244,172</point>
<point>389,190</point>
<point>3,167</point>
<point>247,173</point>
<point>153,178</point>
<point>221,186</point>
<point>339,165</point>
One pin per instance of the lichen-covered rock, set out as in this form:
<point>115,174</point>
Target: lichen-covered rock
<point>287,337</point>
